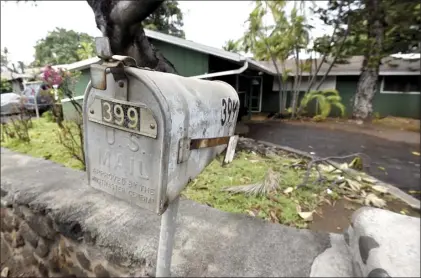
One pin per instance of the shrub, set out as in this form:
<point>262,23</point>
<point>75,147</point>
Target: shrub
<point>326,100</point>
<point>48,116</point>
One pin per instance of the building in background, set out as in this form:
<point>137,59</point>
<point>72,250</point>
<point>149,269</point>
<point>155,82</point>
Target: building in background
<point>256,82</point>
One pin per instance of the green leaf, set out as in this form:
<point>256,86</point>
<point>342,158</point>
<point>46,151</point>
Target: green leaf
<point>334,98</point>
<point>341,107</point>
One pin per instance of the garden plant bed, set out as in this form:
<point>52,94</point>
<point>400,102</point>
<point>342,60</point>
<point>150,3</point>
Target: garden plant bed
<point>328,205</point>
<point>316,205</point>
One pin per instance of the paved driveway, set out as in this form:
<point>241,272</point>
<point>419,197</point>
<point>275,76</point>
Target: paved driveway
<point>402,167</point>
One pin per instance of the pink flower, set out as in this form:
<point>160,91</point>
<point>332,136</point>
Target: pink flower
<point>51,76</point>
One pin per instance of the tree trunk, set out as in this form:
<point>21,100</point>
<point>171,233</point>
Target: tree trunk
<point>295,89</point>
<point>366,88</point>
<point>367,84</point>
<point>278,75</point>
<point>121,22</point>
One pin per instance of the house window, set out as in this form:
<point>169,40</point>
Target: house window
<point>409,84</point>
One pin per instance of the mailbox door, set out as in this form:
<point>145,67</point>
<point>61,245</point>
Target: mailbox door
<point>126,143</point>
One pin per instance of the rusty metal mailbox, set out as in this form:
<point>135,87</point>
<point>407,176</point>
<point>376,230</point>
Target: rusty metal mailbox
<point>147,133</point>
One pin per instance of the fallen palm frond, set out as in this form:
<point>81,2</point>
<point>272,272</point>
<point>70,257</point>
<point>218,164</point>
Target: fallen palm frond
<point>269,184</point>
<point>351,186</point>
<point>317,163</point>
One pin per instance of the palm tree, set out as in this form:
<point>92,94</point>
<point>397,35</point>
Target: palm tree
<point>85,51</point>
<point>231,46</point>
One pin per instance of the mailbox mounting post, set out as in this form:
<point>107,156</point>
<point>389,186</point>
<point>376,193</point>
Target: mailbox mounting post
<point>166,239</point>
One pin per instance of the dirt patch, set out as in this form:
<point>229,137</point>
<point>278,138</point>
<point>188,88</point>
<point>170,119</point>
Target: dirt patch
<point>332,218</point>
<point>337,217</point>
<point>399,123</point>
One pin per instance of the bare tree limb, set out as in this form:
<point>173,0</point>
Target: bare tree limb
<point>313,78</point>
<point>337,54</point>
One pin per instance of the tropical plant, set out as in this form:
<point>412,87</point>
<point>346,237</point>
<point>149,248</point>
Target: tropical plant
<point>86,50</point>
<point>232,46</point>
<point>326,100</point>
<point>278,42</point>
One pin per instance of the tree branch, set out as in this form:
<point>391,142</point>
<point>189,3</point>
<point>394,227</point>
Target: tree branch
<point>313,78</point>
<point>121,22</point>
<point>337,53</point>
<point>316,160</point>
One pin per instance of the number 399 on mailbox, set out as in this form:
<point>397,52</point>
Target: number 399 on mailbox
<point>147,133</point>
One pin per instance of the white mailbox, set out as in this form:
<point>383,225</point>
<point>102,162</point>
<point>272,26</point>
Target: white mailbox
<point>148,133</point>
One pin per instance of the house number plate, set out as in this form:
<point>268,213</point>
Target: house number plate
<point>123,115</point>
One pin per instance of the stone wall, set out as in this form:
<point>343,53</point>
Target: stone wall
<point>32,244</point>
<point>53,223</point>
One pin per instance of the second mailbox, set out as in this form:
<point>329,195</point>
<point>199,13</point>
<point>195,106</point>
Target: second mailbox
<point>148,133</point>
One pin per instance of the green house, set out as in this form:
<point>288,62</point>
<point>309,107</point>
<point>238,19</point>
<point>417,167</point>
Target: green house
<point>193,59</point>
<point>256,81</point>
<point>398,90</point>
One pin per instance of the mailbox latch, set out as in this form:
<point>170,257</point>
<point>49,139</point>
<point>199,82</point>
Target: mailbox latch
<point>113,64</point>
<point>185,145</point>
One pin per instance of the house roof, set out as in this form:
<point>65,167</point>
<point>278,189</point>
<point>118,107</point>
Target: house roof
<point>389,66</point>
<point>194,46</point>
<point>29,73</point>
<point>9,76</point>
<point>235,57</point>
<point>80,65</point>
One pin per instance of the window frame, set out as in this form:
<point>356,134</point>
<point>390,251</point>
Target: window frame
<point>382,91</point>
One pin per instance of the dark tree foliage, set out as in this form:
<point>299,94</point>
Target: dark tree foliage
<point>167,19</point>
<point>400,20</point>
<point>63,46</point>
<point>375,29</point>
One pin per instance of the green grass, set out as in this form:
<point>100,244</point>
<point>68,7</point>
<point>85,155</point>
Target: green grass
<point>44,143</point>
<point>247,168</point>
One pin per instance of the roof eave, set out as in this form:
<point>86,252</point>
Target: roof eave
<point>194,46</point>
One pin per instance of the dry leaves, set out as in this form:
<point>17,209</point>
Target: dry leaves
<point>273,217</point>
<point>372,199</point>
<point>288,190</point>
<point>270,184</point>
<point>306,215</point>
<point>354,185</point>
<point>380,188</point>
<point>254,211</point>
<point>369,180</point>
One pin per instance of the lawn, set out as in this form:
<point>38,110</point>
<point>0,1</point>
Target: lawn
<point>280,174</point>
<point>44,143</point>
